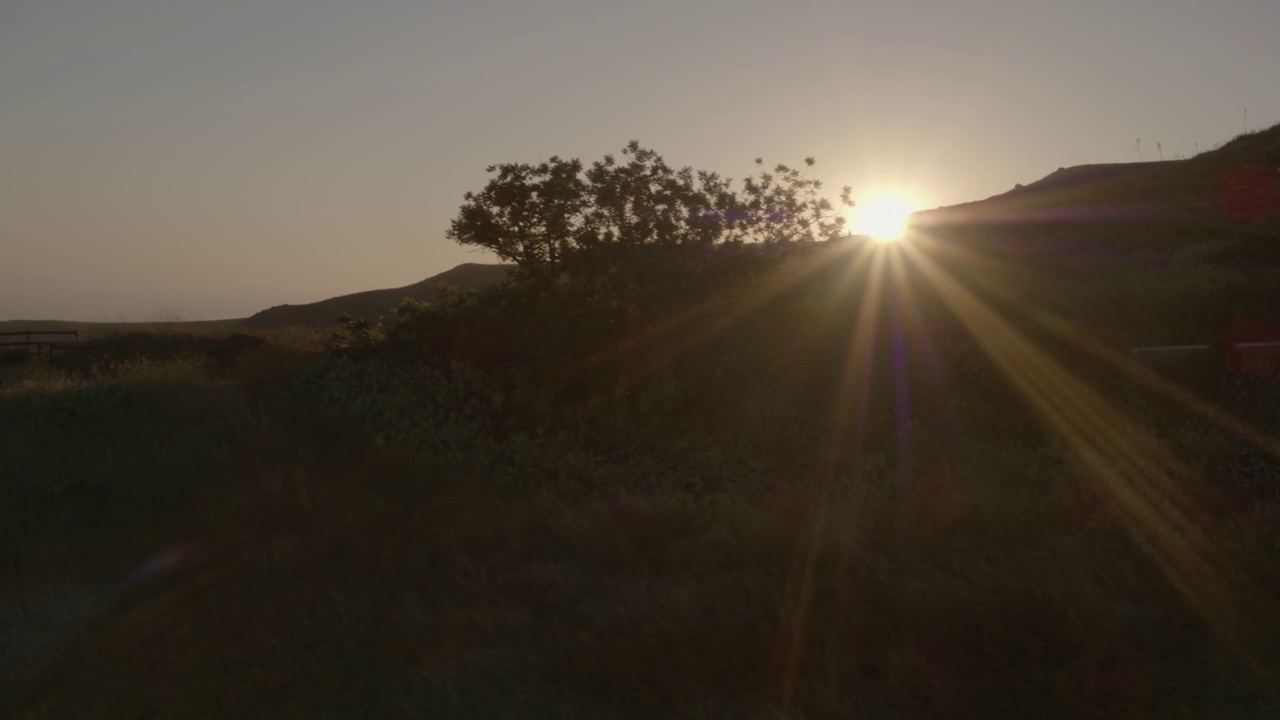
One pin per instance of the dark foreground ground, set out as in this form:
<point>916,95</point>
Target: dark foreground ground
<point>178,543</point>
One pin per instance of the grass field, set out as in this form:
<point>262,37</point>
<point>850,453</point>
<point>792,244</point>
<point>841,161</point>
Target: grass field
<point>177,545</point>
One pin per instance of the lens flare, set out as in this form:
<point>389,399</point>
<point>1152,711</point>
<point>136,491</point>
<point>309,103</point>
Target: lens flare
<point>883,217</point>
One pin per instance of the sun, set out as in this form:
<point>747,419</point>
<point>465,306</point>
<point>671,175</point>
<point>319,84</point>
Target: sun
<point>883,217</point>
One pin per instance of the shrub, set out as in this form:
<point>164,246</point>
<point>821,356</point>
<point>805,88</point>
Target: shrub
<point>544,217</point>
<point>10,358</point>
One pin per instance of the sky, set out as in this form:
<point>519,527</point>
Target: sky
<point>208,159</point>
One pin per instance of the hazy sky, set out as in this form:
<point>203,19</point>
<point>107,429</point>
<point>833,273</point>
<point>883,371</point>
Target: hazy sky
<point>216,157</point>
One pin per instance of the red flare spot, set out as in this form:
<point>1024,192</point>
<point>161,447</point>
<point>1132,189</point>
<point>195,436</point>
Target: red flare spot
<point>938,498</point>
<point>1254,362</point>
<point>1092,508</point>
<point>1250,193</point>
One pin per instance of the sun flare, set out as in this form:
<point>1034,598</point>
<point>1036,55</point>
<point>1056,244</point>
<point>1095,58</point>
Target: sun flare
<point>883,217</point>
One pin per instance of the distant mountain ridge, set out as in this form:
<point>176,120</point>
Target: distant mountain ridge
<point>372,304</point>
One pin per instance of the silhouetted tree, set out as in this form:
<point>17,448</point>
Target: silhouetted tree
<point>537,216</point>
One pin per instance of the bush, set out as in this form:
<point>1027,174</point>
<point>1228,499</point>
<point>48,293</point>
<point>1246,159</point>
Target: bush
<point>119,348</point>
<point>550,217</point>
<point>10,358</point>
<point>86,456</point>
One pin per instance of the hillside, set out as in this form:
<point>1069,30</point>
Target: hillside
<point>1160,252</point>
<point>1238,182</point>
<point>372,304</point>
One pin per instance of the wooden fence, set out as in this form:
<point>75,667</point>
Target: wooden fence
<point>41,348</point>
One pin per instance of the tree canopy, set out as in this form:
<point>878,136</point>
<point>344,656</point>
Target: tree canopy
<point>539,216</point>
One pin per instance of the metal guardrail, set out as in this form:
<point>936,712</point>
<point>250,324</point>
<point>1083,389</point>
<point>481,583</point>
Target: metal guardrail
<point>1257,359</point>
<point>1175,348</point>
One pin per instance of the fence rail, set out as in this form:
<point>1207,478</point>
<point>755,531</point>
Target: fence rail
<point>42,348</point>
<point>1185,348</point>
<point>1259,359</point>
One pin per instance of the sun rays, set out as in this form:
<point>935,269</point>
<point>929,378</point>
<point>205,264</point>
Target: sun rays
<point>1126,461</point>
<point>880,291</point>
<point>1151,488</point>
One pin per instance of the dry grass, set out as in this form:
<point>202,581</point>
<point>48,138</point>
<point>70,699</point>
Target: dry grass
<point>359,599</point>
<point>304,573</point>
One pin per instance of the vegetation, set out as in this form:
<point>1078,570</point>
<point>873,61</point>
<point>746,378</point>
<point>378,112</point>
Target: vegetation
<point>373,303</point>
<point>697,456</point>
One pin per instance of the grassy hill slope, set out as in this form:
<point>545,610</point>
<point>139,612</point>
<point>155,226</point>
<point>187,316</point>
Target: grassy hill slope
<point>1161,252</point>
<point>1234,183</point>
<point>374,303</point>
